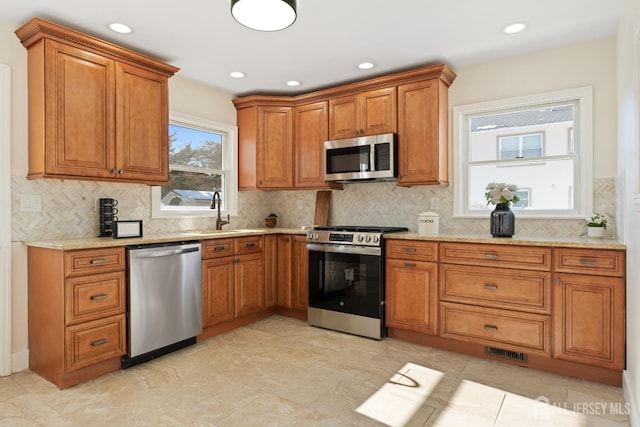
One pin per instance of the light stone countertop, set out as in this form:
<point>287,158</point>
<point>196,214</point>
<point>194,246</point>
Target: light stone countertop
<point>108,242</point>
<point>567,242</point>
<point>196,235</point>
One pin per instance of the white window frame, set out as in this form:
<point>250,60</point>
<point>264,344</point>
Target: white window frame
<point>583,168</point>
<point>229,153</point>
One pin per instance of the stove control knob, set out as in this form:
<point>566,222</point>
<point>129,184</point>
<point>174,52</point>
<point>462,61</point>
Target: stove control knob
<point>376,239</point>
<point>316,236</point>
<point>368,239</point>
<point>359,238</point>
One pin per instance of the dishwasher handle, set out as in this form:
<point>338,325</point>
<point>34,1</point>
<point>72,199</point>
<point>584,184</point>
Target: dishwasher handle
<point>158,254</point>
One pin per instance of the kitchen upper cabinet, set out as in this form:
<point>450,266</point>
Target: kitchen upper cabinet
<point>265,147</point>
<point>422,133</point>
<point>310,133</point>
<point>96,111</point>
<point>367,113</point>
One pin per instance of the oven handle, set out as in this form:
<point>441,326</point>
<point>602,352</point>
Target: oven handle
<point>358,250</point>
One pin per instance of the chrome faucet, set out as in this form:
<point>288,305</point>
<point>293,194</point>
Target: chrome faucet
<point>219,221</point>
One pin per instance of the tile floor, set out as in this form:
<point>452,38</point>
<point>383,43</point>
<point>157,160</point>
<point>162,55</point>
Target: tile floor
<point>281,372</point>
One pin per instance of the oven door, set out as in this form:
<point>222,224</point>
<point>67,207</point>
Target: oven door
<point>347,279</point>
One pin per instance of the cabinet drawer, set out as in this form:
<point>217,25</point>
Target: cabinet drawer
<point>511,330</point>
<point>95,296</point>
<point>247,245</point>
<point>92,261</point>
<point>496,287</point>
<point>503,256</point>
<point>217,248</point>
<point>589,261</point>
<point>92,342</point>
<point>412,250</point>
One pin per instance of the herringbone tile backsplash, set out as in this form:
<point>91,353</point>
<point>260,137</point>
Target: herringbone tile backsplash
<point>68,209</point>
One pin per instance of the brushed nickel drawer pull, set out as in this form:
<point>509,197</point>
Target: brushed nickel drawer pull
<point>98,297</point>
<point>490,328</point>
<point>410,250</point>
<point>410,264</point>
<point>490,287</point>
<point>219,248</point>
<point>491,256</point>
<point>99,342</point>
<point>98,261</point>
<point>588,261</point>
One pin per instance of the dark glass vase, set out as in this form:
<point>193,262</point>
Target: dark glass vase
<point>503,221</point>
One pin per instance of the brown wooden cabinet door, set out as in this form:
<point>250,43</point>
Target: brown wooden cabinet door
<point>300,289</point>
<point>218,281</point>
<point>275,147</point>
<point>422,133</point>
<point>142,125</point>
<point>249,287</point>
<point>311,131</point>
<point>270,270</point>
<point>411,295</point>
<point>79,133</point>
<point>368,113</point>
<point>378,111</point>
<point>285,269</point>
<point>588,320</point>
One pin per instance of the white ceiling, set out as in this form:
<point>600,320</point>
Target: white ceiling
<point>329,37</point>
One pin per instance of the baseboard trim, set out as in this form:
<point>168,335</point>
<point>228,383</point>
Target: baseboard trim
<point>20,361</point>
<point>630,397</point>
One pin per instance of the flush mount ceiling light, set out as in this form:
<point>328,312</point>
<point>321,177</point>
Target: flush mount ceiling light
<point>264,15</point>
<point>120,28</point>
<point>514,28</point>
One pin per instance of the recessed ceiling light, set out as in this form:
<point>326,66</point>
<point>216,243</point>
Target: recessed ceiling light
<point>293,83</point>
<point>514,28</point>
<point>120,28</point>
<point>237,74</point>
<point>366,65</point>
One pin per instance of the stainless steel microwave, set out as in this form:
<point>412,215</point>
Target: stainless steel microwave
<point>364,158</point>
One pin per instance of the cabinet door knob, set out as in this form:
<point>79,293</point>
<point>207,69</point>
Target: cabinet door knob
<point>121,171</point>
<point>113,171</point>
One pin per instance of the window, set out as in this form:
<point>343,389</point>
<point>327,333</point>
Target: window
<point>540,143</point>
<point>201,160</point>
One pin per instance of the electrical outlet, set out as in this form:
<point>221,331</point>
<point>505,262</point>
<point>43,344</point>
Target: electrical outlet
<point>30,203</point>
<point>435,203</point>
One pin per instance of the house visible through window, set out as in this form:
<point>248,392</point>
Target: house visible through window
<point>200,162</point>
<point>540,143</point>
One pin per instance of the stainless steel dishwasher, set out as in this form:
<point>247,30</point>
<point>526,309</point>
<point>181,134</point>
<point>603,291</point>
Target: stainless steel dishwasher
<point>165,299</point>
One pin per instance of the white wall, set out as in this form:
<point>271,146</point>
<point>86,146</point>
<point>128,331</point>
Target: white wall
<point>628,78</point>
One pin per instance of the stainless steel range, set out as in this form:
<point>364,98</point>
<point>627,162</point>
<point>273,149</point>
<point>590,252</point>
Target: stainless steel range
<point>346,279</point>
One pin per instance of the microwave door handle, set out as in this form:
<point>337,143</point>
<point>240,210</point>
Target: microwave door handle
<point>321,278</point>
<point>372,158</point>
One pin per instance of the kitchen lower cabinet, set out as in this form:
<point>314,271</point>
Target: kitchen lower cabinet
<point>77,304</point>
<point>411,286</point>
<point>233,282</point>
<point>558,309</point>
<point>589,308</point>
<point>293,276</point>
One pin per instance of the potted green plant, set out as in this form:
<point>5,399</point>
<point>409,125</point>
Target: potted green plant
<point>596,224</point>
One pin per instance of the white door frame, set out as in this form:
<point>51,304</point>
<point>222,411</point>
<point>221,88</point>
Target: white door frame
<point>5,220</point>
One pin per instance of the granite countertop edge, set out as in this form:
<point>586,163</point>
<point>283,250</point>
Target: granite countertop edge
<point>108,242</point>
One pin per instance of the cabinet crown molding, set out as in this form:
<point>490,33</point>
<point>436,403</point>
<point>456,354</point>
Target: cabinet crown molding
<point>37,28</point>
